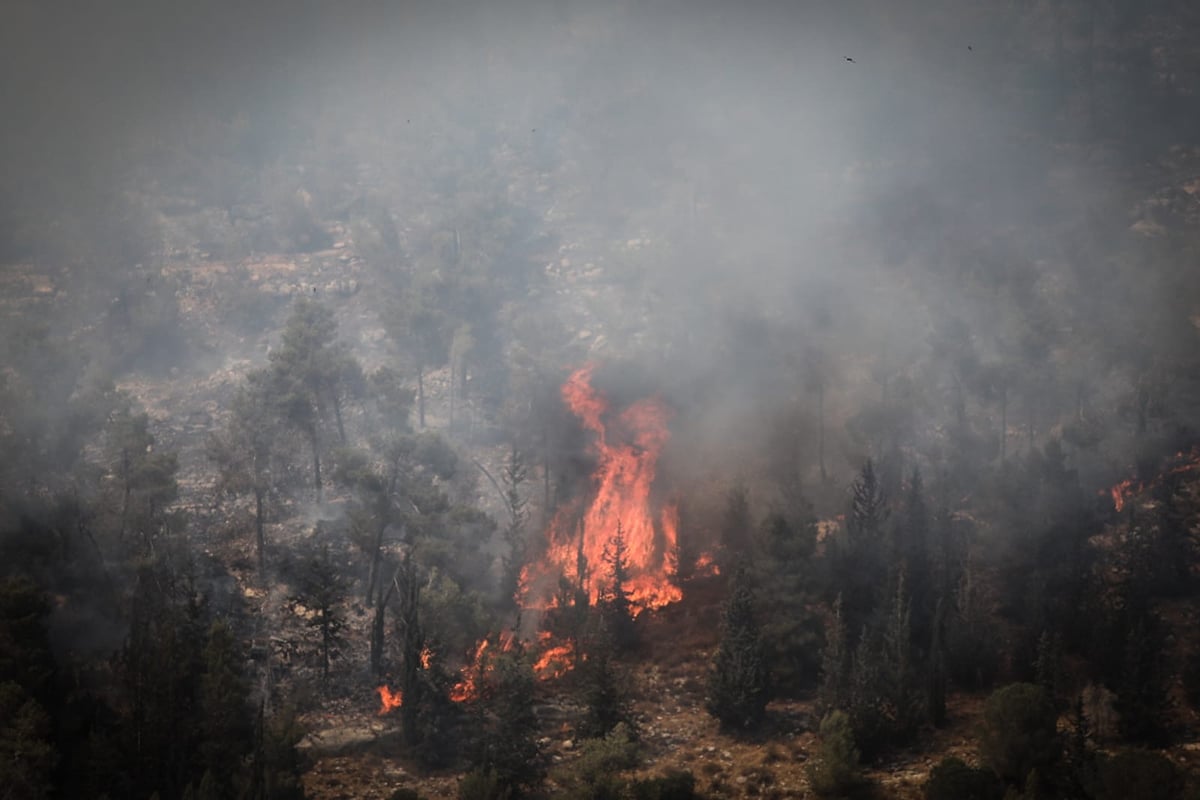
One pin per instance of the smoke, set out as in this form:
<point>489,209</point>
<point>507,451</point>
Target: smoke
<point>755,205</point>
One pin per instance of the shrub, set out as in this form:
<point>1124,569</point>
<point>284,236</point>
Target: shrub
<point>835,771</point>
<point>479,784</point>
<point>1019,731</point>
<point>1138,773</point>
<point>954,780</point>
<point>675,785</point>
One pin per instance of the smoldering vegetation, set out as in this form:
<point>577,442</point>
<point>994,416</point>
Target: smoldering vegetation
<point>290,291</point>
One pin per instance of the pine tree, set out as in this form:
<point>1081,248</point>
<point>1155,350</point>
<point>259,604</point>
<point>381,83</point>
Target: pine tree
<point>935,684</point>
<point>321,590</point>
<point>835,664</point>
<point>739,686</point>
<point>246,452</point>
<point>617,609</point>
<point>223,707</point>
<point>791,628</point>
<point>603,697</point>
<point>277,766</point>
<point>835,772</point>
<point>859,559</point>
<point>511,750</point>
<point>308,375</point>
<point>736,533</point>
<point>515,475</point>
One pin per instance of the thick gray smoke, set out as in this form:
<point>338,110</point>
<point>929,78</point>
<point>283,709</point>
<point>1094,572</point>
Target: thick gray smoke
<point>885,210</point>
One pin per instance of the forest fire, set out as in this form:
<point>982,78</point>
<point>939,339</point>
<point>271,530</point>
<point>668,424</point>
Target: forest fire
<point>627,447</point>
<point>389,700</point>
<point>706,566</point>
<point>1127,489</point>
<point>555,662</point>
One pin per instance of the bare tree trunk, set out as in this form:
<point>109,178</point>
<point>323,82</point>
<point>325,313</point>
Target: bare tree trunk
<point>452,395</point>
<point>1003,424</point>
<point>421,396</point>
<point>337,415</point>
<point>316,451</point>
<point>379,628</point>
<point>821,432</point>
<point>259,533</point>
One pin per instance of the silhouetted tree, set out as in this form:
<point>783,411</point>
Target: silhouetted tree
<point>223,705</point>
<point>145,476</point>
<point>615,606</point>
<point>320,590</point>
<point>739,685</point>
<point>834,690</point>
<point>859,566</point>
<point>247,454</point>
<point>784,576</point>
<point>308,374</point>
<point>510,749</point>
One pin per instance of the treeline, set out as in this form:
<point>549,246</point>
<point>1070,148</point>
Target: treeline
<point>1058,608</point>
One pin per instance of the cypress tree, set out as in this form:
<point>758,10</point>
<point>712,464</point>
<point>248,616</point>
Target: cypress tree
<point>617,610</point>
<point>739,686</point>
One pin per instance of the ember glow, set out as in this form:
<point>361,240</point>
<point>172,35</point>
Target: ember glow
<point>706,566</point>
<point>390,700</point>
<point>627,447</point>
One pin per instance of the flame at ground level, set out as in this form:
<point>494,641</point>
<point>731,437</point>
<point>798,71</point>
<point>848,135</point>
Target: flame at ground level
<point>390,700</point>
<point>1127,489</point>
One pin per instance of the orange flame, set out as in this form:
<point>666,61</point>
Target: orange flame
<point>627,453</point>
<point>555,662</point>
<point>390,700</point>
<point>706,566</point>
<point>473,675</point>
<point>426,657</point>
<point>467,688</point>
<point>1127,489</point>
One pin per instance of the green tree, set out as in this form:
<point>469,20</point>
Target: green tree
<point>604,699</point>
<point>737,530</point>
<point>25,656</point>
<point>1137,773</point>
<point>145,477</point>
<point>739,684</point>
<point>510,750</point>
<point>308,375</point>
<point>615,606</point>
<point>224,703</point>
<point>248,453</point>
<point>858,557</point>
<point>784,575</point>
<point>835,770</point>
<point>834,690</point>
<point>1019,732</point>
<point>277,764</point>
<point>514,477</point>
<point>320,590</point>
<point>27,754</point>
<point>952,779</point>
<point>418,323</point>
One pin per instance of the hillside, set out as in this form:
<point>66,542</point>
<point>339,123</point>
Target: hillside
<point>628,401</point>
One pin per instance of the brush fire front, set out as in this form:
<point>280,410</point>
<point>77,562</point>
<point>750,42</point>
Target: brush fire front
<point>627,445</point>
